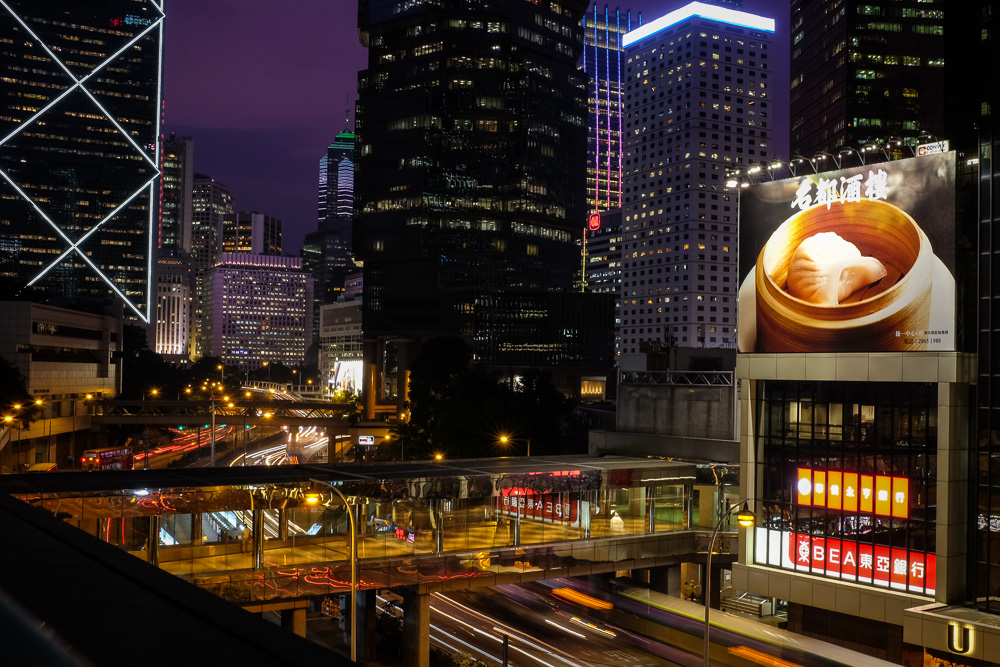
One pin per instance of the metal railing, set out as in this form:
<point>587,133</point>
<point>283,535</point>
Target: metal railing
<point>681,378</point>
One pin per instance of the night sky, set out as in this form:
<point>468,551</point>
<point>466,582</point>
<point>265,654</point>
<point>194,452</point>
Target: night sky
<point>262,87</point>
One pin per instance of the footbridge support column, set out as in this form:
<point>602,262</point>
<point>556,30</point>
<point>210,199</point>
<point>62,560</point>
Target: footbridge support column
<point>367,604</point>
<point>294,620</point>
<point>416,627</point>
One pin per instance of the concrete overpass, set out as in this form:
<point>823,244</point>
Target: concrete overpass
<point>251,412</point>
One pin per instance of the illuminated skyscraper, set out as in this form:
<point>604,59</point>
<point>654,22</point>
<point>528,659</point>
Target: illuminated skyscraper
<point>602,61</point>
<point>864,72</point>
<point>177,186</point>
<point>470,181</point>
<point>79,150</point>
<point>212,201</point>
<point>696,102</point>
<point>258,308</point>
<point>327,252</point>
<point>250,232</point>
<point>174,304</point>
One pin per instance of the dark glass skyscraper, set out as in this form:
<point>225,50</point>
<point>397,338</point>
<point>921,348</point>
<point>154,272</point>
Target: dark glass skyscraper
<point>862,72</point>
<point>471,140</point>
<point>79,150</point>
<point>972,125</point>
<point>176,187</point>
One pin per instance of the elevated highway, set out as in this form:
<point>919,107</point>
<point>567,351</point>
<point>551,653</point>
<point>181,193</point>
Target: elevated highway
<point>244,411</point>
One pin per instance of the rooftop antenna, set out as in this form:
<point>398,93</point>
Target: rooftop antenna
<point>347,111</point>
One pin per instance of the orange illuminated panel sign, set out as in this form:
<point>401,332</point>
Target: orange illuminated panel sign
<point>871,494</point>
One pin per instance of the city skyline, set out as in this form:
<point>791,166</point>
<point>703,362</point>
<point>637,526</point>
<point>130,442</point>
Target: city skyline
<point>265,147</point>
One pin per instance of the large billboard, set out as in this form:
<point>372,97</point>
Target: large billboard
<point>853,260</point>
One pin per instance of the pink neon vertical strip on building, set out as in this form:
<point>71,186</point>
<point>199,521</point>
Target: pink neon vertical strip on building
<point>618,48</point>
<point>597,119</point>
<point>607,70</point>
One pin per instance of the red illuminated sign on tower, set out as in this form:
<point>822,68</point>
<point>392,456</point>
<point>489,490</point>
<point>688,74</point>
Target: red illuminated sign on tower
<point>594,221</point>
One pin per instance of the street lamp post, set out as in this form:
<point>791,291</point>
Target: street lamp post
<point>354,568</point>
<point>211,434</point>
<point>506,439</point>
<point>746,519</point>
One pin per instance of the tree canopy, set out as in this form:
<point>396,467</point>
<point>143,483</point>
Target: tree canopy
<point>461,409</point>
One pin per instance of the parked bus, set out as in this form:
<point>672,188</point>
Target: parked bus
<point>109,458</point>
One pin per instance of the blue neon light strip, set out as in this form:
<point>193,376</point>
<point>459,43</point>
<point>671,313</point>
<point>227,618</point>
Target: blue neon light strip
<point>710,12</point>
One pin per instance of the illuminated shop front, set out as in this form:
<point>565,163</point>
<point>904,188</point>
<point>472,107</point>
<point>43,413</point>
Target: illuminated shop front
<point>857,391</point>
<point>847,481</point>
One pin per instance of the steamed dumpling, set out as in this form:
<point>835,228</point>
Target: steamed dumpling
<point>826,269</point>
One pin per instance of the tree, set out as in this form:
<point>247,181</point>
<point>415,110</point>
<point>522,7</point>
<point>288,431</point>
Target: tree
<point>460,409</point>
<point>14,392</point>
<point>143,370</point>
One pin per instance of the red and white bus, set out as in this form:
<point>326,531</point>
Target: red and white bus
<point>109,458</point>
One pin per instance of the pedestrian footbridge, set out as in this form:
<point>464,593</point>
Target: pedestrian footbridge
<point>271,538</point>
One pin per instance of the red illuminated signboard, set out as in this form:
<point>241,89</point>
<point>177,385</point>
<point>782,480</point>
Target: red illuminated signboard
<point>896,568</point>
<point>594,222</point>
<point>544,506</point>
<point>870,494</point>
<point>848,560</point>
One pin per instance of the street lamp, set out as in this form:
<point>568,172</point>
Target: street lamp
<point>746,519</point>
<point>9,422</point>
<point>354,568</point>
<point>506,439</point>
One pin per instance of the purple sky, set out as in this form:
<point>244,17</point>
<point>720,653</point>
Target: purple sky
<point>262,86</point>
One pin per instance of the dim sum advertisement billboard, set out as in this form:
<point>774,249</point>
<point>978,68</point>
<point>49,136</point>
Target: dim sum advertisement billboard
<point>854,260</point>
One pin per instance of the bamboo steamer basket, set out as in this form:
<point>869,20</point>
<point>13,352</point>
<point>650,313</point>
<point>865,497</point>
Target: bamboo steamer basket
<point>871,319</point>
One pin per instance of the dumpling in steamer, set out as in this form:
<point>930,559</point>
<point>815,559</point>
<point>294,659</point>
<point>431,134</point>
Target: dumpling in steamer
<point>827,269</point>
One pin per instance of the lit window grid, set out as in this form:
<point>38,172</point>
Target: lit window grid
<point>258,314</point>
<point>883,429</point>
<point>118,280</point>
<point>694,169</point>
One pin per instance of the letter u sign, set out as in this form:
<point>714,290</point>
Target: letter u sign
<point>959,639</point>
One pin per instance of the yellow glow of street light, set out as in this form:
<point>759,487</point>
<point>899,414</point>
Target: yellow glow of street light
<point>38,401</point>
<point>312,498</point>
<point>745,518</point>
<point>17,406</point>
<point>438,457</point>
<point>8,418</point>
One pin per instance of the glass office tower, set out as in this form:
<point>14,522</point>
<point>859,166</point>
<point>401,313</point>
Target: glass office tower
<point>470,179</point>
<point>863,72</point>
<point>79,151</point>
